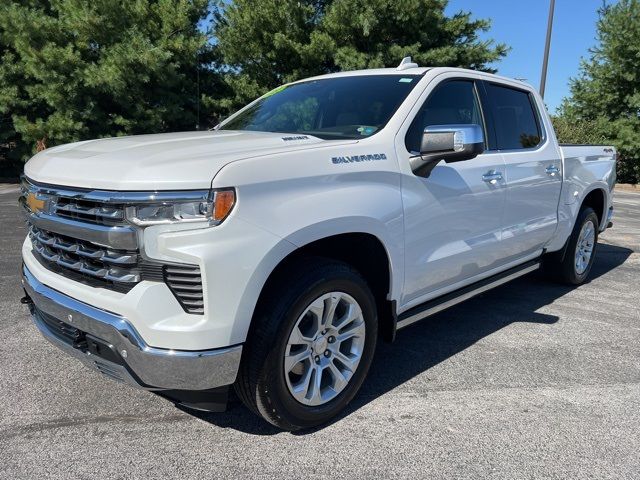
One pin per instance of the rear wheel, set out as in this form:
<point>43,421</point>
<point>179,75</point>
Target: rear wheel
<point>578,259</point>
<point>311,345</point>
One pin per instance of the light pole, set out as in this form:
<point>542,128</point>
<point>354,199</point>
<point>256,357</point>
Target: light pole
<point>547,45</point>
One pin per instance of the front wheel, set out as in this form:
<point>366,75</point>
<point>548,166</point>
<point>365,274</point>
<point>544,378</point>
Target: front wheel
<point>311,346</point>
<point>574,268</point>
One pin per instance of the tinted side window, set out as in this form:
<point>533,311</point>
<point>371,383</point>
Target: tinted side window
<point>515,120</point>
<point>451,103</point>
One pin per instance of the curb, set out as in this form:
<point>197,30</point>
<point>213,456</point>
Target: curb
<point>627,187</point>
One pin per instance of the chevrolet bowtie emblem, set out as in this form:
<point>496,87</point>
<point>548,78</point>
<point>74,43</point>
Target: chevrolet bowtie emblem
<point>34,203</point>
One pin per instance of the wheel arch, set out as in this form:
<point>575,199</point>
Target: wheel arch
<point>369,253</point>
<point>597,199</point>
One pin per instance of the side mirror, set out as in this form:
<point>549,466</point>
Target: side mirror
<point>451,143</point>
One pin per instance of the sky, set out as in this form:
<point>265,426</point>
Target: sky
<point>522,24</point>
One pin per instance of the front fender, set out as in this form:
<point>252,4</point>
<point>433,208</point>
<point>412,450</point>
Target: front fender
<point>304,198</point>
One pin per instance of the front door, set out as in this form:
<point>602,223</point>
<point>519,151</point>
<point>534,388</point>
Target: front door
<point>453,218</point>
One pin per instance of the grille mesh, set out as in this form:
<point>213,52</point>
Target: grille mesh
<point>66,332</point>
<point>109,371</point>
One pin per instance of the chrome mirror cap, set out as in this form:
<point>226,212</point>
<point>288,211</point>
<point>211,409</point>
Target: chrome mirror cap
<point>451,143</point>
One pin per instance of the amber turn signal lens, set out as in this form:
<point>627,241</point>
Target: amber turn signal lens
<point>223,202</point>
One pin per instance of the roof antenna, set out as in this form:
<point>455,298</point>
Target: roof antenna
<point>406,63</point>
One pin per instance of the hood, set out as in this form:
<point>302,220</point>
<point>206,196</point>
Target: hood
<point>168,161</point>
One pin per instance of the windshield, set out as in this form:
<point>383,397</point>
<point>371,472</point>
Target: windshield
<point>332,108</point>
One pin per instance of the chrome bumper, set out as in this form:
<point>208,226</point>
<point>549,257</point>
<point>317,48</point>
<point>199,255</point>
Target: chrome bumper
<point>112,345</point>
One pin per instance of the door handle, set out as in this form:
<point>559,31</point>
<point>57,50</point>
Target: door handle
<point>552,170</point>
<point>492,177</point>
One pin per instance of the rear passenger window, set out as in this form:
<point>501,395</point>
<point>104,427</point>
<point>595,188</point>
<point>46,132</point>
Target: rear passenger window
<point>515,120</point>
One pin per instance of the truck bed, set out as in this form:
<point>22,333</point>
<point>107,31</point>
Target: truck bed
<point>585,164</point>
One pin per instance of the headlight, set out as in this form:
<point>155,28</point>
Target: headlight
<point>211,207</point>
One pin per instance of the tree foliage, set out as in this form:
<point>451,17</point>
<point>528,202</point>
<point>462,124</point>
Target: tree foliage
<point>79,69</point>
<point>271,42</point>
<point>584,131</point>
<point>605,97</point>
<point>265,44</point>
<point>74,69</point>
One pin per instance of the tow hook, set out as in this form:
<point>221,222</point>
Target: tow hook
<point>26,300</point>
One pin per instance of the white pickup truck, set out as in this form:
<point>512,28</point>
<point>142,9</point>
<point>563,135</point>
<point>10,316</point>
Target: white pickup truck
<point>272,253</point>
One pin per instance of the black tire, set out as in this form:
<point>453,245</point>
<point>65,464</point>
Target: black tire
<point>563,269</point>
<point>261,383</point>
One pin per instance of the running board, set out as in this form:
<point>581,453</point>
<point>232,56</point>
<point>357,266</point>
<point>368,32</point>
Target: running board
<point>448,300</point>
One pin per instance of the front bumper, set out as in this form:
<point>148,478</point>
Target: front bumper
<point>109,343</point>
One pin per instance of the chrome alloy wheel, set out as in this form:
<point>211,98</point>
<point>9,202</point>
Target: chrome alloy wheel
<point>324,348</point>
<point>584,247</point>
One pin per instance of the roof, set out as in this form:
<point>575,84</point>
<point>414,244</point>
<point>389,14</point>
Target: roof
<point>414,71</point>
<point>373,71</point>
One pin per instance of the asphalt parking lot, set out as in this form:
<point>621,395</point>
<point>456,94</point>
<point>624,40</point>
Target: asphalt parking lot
<point>531,380</point>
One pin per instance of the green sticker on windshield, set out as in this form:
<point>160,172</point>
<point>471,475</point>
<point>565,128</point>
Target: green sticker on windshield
<point>274,91</point>
<point>406,80</point>
<point>366,130</point>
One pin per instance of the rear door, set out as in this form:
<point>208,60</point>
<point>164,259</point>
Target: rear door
<point>532,169</point>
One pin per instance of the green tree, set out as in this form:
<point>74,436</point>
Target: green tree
<point>78,69</point>
<point>10,153</point>
<point>271,42</point>
<point>265,44</point>
<point>582,131</point>
<point>605,97</point>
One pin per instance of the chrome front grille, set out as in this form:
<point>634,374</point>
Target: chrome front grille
<point>84,236</point>
<point>86,258</point>
<point>89,211</point>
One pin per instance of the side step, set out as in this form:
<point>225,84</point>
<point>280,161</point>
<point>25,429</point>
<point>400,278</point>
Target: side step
<point>438,304</point>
